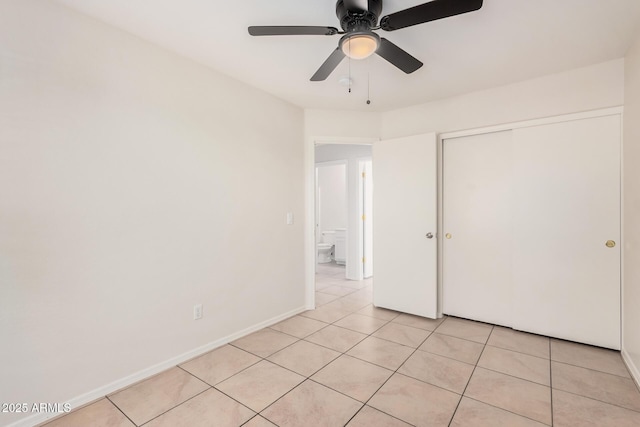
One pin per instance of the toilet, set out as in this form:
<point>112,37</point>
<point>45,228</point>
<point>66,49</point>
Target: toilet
<point>325,246</point>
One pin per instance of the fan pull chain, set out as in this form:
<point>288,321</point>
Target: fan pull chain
<point>369,88</point>
<point>349,65</point>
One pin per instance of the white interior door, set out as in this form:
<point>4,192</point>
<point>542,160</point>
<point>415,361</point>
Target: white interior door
<point>478,226</point>
<point>567,206</point>
<point>404,213</point>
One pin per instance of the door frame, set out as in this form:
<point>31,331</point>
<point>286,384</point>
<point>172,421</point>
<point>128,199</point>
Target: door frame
<point>309,206</point>
<point>365,247</point>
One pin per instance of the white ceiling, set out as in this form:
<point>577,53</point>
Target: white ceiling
<point>506,41</point>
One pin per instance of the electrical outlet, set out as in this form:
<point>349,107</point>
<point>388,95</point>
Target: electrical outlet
<point>197,312</point>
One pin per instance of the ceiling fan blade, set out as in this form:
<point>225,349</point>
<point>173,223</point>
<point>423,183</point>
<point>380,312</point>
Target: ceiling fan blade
<point>434,10</point>
<point>292,31</point>
<point>398,57</point>
<point>329,65</point>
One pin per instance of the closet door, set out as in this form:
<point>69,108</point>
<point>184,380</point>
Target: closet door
<point>566,209</point>
<point>477,198</point>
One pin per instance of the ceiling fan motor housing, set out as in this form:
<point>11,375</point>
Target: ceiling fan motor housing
<point>356,19</point>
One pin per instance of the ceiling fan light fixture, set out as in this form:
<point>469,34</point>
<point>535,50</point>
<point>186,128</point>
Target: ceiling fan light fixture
<point>360,45</point>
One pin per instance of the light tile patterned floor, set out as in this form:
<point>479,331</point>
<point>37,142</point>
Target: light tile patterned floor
<point>349,363</point>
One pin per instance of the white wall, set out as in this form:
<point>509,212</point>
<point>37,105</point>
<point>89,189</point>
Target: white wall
<point>332,196</point>
<point>583,89</point>
<point>631,214</point>
<point>133,184</point>
<point>342,124</point>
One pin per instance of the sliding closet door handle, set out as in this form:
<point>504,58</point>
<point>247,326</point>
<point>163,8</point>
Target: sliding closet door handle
<point>429,235</point>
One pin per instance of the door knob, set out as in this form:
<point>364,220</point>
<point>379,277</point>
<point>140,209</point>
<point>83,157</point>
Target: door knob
<point>610,244</point>
<point>429,235</point>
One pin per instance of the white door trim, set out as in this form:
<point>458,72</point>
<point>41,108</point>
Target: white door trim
<point>536,122</point>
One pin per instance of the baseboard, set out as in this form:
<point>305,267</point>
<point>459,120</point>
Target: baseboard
<point>633,369</point>
<point>105,390</point>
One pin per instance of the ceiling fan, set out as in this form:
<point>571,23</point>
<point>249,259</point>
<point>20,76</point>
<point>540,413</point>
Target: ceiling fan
<point>359,18</point>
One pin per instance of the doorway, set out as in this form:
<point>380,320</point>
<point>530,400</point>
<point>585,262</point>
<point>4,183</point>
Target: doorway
<point>342,218</point>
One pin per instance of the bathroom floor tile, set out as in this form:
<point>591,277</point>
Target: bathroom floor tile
<point>99,414</point>
<point>299,326</point>
<point>415,402</point>
<point>418,322</point>
<point>402,334</point>
<point>312,404</point>
<point>515,395</point>
<point>438,370</point>
<point>204,410</point>
<point>336,338</point>
<point>521,342</point>
<point>570,410</point>
<point>220,364</point>
<point>471,413</point>
<point>590,357</point>
<point>597,385</point>
<point>452,347</point>
<point>304,358</point>
<point>355,378</point>
<point>519,365</point>
<point>361,323</point>
<point>260,385</point>
<point>465,329</point>
<point>370,417</point>
<point>381,352</point>
<point>148,399</point>
<point>379,313</point>
<point>265,342</point>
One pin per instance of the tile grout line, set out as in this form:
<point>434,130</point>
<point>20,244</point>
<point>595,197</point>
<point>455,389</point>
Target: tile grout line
<point>217,389</point>
<point>502,373</point>
<point>121,411</point>
<point>519,352</point>
<point>506,410</point>
<point>181,403</point>
<point>396,372</point>
<point>462,395</point>
<point>598,400</point>
<point>242,370</point>
<point>551,381</point>
<point>344,354</point>
<point>594,370</point>
<point>309,377</point>
<point>382,385</point>
<point>415,350</point>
